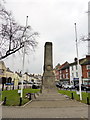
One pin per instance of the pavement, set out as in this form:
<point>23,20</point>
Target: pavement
<point>51,105</point>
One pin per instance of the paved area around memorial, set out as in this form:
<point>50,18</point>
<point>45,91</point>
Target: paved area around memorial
<point>52,105</point>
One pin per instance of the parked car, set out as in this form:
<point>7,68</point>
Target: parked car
<point>9,83</point>
<point>30,82</point>
<point>24,82</point>
<point>35,86</point>
<point>71,86</point>
<point>87,88</point>
<point>58,85</point>
<point>66,86</point>
<point>83,87</point>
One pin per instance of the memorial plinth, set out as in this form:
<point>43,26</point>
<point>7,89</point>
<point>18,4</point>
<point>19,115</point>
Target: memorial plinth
<point>48,75</point>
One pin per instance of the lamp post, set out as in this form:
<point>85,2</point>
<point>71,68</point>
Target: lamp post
<point>79,72</point>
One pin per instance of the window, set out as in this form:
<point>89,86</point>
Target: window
<point>1,72</point>
<point>88,74</point>
<point>73,75</point>
<point>66,75</point>
<point>76,67</point>
<point>63,76</point>
<point>60,76</point>
<point>88,67</point>
<point>76,74</point>
<point>72,67</point>
<point>66,70</point>
<point>60,71</point>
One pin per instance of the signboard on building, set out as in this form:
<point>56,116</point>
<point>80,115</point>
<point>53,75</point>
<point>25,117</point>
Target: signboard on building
<point>75,78</point>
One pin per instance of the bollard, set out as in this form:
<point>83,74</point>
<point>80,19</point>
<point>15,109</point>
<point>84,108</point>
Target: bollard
<point>40,90</point>
<point>34,96</point>
<point>20,101</point>
<point>88,100</point>
<point>4,103</point>
<point>30,96</point>
<point>13,87</point>
<point>72,96</point>
<point>6,87</point>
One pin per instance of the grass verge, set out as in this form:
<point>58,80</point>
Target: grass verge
<point>75,95</point>
<point>13,98</point>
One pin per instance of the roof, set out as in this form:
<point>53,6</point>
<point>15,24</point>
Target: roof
<point>64,66</point>
<point>75,62</point>
<point>2,62</point>
<point>19,74</point>
<point>87,62</point>
<point>8,70</point>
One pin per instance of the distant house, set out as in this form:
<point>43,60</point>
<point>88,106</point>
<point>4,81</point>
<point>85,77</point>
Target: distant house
<point>17,78</point>
<point>6,75</point>
<point>26,77</point>
<point>84,71</point>
<point>57,73</point>
<point>31,77</point>
<point>74,77</point>
<point>9,75</point>
<point>2,72</point>
<point>64,73</point>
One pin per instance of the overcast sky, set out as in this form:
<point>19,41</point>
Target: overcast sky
<point>54,20</point>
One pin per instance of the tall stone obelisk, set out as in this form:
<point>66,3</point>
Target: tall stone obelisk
<point>48,75</point>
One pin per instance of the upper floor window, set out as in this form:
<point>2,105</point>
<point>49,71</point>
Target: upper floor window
<point>60,76</point>
<point>60,71</point>
<point>88,67</point>
<point>66,70</point>
<point>73,75</point>
<point>72,67</point>
<point>88,74</point>
<point>1,71</point>
<point>76,67</point>
<point>76,74</point>
<point>66,75</point>
<point>63,76</point>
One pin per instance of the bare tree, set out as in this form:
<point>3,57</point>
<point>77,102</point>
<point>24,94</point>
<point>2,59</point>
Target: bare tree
<point>13,36</point>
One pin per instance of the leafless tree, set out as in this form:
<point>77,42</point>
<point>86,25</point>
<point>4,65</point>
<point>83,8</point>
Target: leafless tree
<point>13,36</point>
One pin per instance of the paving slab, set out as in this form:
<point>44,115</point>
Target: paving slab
<point>51,105</point>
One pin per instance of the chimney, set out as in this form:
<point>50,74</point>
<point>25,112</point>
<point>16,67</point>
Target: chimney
<point>88,57</point>
<point>75,59</point>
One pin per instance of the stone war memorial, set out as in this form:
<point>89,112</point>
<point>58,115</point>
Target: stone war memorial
<point>48,74</point>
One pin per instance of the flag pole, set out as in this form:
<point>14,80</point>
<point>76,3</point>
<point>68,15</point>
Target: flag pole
<point>79,72</point>
<point>23,63</point>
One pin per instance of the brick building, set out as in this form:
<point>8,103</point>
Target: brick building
<point>64,73</point>
<point>86,70</point>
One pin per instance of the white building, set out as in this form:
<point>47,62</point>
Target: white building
<point>74,78</point>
